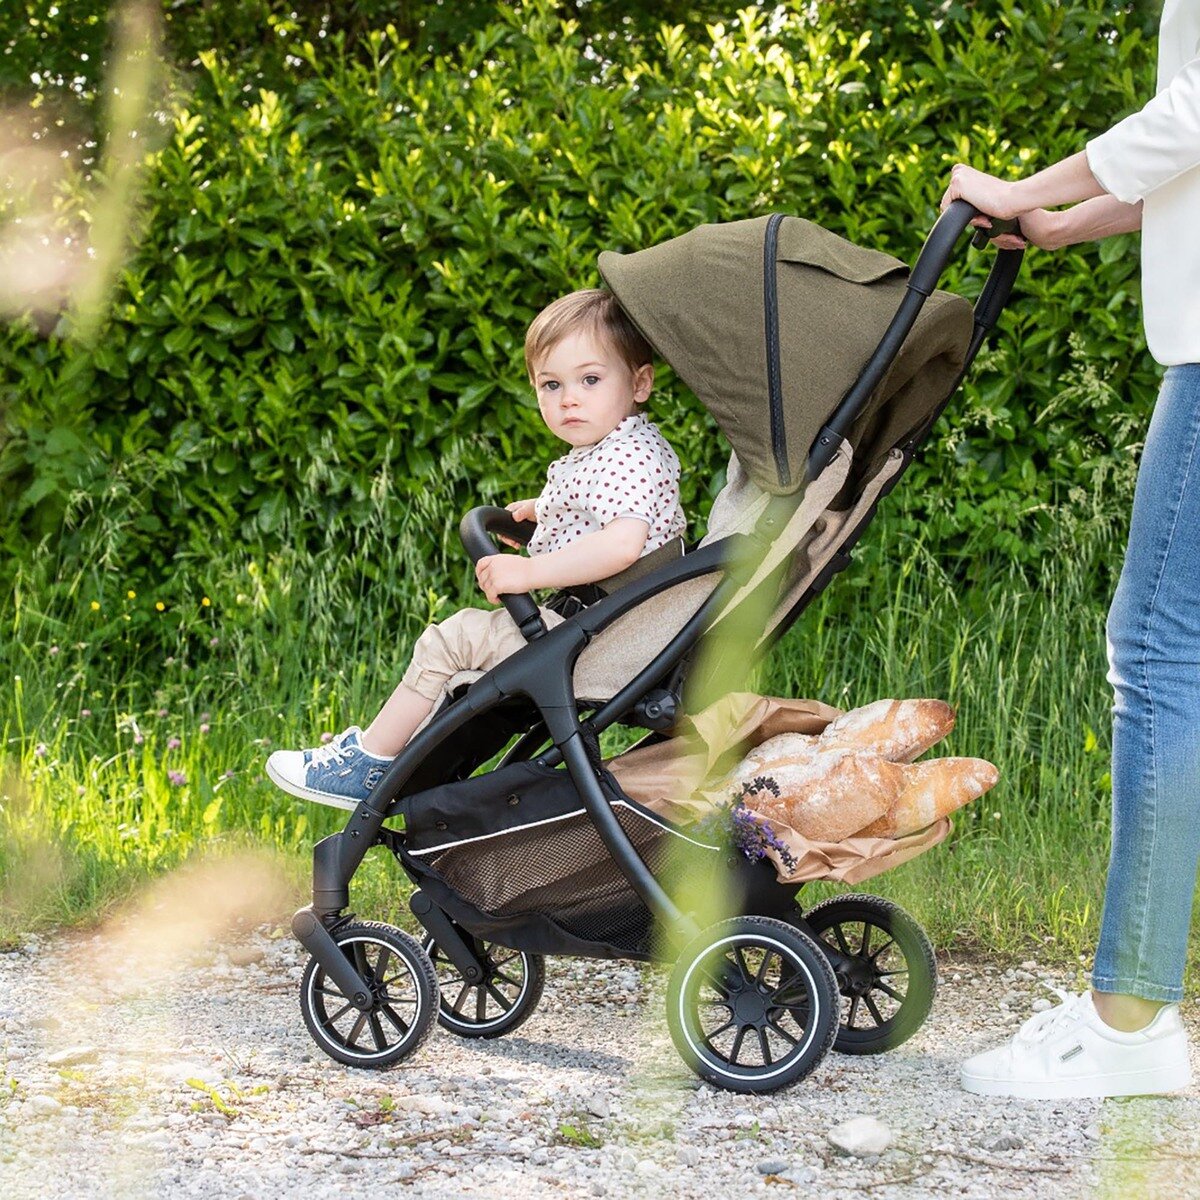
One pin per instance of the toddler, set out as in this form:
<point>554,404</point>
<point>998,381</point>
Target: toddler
<point>612,499</point>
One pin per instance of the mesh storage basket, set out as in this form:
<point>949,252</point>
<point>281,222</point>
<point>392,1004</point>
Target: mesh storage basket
<point>519,847</point>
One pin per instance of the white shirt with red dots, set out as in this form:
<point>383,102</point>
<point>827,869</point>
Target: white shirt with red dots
<point>631,472</point>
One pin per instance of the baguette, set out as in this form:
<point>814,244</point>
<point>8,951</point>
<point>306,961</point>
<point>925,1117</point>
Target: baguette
<point>931,790</point>
<point>825,796</point>
<point>898,730</point>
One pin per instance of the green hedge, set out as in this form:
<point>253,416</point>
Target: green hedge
<point>321,328</point>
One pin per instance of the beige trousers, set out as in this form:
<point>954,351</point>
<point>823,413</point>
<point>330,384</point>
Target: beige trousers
<point>474,639</point>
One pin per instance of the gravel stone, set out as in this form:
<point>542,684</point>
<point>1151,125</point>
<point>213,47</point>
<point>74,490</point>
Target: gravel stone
<point>73,1056</point>
<point>772,1166</point>
<point>860,1136</point>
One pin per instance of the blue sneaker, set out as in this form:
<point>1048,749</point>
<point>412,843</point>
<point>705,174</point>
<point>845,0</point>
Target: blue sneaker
<point>339,774</point>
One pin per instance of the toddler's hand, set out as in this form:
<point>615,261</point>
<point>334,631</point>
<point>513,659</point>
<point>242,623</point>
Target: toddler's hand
<point>502,575</point>
<point>522,510</point>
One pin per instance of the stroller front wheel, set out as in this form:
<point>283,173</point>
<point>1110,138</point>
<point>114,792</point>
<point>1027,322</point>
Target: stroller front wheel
<point>752,1004</point>
<point>404,998</point>
<point>497,1005</point>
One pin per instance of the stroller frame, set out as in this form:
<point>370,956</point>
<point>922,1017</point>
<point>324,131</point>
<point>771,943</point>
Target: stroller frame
<point>541,674</point>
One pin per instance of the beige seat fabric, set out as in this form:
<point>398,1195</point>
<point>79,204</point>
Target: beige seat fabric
<point>812,534</point>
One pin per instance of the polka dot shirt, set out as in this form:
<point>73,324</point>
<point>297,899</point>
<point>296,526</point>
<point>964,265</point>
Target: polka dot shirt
<point>631,472</point>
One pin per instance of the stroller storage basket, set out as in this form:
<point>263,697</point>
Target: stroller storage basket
<point>515,856</point>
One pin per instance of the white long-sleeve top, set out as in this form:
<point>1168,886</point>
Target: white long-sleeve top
<point>1154,156</point>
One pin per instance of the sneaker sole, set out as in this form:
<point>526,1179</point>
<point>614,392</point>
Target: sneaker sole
<point>303,793</point>
<point>1087,1087</point>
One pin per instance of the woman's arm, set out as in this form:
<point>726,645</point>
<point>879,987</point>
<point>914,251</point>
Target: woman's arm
<point>1066,182</point>
<point>1100,217</point>
<point>592,557</point>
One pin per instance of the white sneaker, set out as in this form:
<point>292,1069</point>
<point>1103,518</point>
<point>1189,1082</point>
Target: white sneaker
<point>1069,1052</point>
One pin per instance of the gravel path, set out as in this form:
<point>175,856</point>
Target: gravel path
<point>200,1080</point>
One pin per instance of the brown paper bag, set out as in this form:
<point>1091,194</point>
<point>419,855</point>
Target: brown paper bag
<point>679,777</point>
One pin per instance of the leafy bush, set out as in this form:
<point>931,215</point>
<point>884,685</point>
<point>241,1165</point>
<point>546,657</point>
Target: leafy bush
<point>321,329</point>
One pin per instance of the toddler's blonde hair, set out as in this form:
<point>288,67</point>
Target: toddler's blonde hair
<point>595,311</point>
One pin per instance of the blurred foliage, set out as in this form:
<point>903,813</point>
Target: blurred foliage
<point>344,237</point>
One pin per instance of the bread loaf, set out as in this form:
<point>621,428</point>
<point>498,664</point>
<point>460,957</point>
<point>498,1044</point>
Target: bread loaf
<point>931,790</point>
<point>825,796</point>
<point>898,730</point>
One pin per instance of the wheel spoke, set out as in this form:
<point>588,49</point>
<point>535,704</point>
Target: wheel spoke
<point>840,936</point>
<point>737,1043</point>
<point>885,974</point>
<point>708,1037</point>
<point>722,989</point>
<point>853,1012</point>
<point>377,1031</point>
<point>360,961</point>
<point>329,1022</point>
<point>507,979</point>
<point>324,991</point>
<point>499,962</point>
<point>760,975</point>
<point>783,987</point>
<point>457,1005</point>
<point>764,1046</point>
<point>501,999</point>
<point>741,964</point>
<point>356,1029</point>
<point>385,955</point>
<point>866,939</point>
<point>481,1003</point>
<point>883,987</point>
<point>783,1033</point>
<point>395,1018</point>
<point>876,953</point>
<point>874,1011</point>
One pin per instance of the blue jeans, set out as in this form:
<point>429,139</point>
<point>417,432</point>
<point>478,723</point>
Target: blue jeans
<point>1153,635</point>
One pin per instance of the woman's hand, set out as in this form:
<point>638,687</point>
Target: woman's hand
<point>503,575</point>
<point>1039,227</point>
<point>522,510</point>
<point>991,195</point>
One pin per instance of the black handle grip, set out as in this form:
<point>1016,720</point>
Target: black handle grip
<point>476,533</point>
<point>999,226</point>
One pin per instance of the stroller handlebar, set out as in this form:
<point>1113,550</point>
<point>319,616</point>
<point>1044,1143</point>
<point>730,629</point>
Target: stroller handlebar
<point>939,246</point>
<point>476,533</point>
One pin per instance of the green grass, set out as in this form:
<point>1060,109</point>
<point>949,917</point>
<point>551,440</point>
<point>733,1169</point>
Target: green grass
<point>89,812</point>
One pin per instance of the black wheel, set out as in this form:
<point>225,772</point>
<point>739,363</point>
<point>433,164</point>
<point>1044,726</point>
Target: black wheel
<point>404,992</point>
<point>498,1004</point>
<point>887,973</point>
<point>752,1004</point>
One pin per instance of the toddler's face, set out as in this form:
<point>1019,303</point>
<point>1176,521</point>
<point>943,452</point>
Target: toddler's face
<point>585,390</point>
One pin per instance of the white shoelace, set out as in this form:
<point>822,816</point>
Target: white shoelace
<point>1041,1025</point>
<point>336,752</point>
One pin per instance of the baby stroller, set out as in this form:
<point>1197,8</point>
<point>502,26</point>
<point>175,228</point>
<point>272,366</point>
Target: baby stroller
<point>770,322</point>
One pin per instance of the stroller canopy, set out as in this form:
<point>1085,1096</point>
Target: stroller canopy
<point>770,322</point>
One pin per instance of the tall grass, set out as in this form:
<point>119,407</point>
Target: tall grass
<point>122,758</point>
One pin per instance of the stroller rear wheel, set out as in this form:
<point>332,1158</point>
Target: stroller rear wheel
<point>752,1004</point>
<point>502,1001</point>
<point>404,998</point>
<point>887,974</point>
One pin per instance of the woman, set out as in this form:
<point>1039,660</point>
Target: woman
<point>1125,1036</point>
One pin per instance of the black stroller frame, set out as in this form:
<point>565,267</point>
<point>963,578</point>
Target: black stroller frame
<point>775,978</point>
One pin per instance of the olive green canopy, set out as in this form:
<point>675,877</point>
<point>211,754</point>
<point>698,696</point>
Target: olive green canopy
<point>702,301</point>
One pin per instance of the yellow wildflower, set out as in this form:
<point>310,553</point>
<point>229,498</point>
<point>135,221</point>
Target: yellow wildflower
<point>131,594</point>
<point>206,602</point>
<point>95,606</point>
<point>160,606</point>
